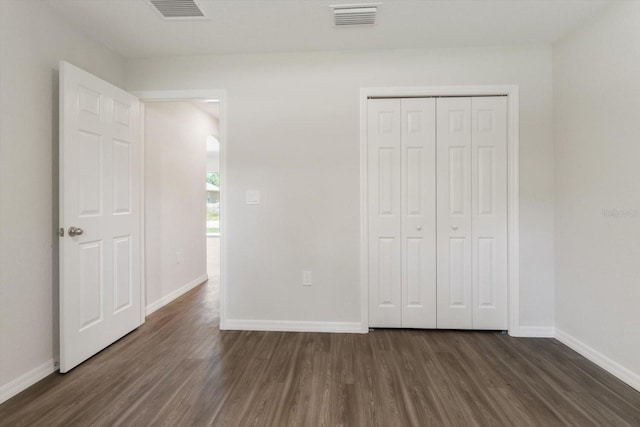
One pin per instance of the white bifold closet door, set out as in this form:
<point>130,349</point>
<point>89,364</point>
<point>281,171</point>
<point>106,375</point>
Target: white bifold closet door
<point>402,212</point>
<point>472,213</point>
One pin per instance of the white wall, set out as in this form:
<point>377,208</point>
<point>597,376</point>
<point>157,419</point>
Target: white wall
<point>213,157</point>
<point>175,198</point>
<point>293,122</point>
<point>597,108</point>
<point>213,162</point>
<point>32,42</point>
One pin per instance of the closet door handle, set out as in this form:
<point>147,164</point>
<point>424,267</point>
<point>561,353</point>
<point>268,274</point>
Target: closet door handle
<point>454,227</point>
<point>418,227</point>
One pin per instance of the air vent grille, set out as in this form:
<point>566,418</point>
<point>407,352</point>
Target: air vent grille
<point>177,9</point>
<point>355,15</point>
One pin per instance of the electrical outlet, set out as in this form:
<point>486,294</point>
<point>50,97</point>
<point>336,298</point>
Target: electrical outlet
<point>306,278</point>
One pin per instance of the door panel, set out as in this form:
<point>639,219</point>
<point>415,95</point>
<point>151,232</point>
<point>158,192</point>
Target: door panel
<point>123,288</point>
<point>387,246</point>
<point>90,265</point>
<point>385,214</point>
<point>386,181</point>
<point>418,213</point>
<point>454,297</point>
<point>90,173</point>
<point>489,205</point>
<point>122,177</point>
<point>413,255</point>
<point>457,275</point>
<point>100,298</point>
<point>457,185</point>
<point>485,273</point>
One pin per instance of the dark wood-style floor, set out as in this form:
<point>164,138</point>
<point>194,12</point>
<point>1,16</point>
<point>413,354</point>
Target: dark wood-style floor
<point>179,369</point>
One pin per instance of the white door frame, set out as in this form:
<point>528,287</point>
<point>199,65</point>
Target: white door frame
<point>194,95</point>
<point>513,185</point>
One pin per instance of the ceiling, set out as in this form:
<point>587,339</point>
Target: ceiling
<point>135,30</point>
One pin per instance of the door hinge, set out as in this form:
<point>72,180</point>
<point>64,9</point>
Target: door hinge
<point>61,232</point>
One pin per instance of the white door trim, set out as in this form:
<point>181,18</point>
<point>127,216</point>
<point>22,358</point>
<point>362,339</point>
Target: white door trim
<point>190,95</point>
<point>513,190</point>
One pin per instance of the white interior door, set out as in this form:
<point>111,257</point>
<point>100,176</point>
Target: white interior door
<point>489,208</point>
<point>100,160</point>
<point>454,213</point>
<point>418,182</point>
<point>385,213</point>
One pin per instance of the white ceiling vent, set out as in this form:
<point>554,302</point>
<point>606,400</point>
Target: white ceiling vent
<point>355,14</point>
<point>178,9</point>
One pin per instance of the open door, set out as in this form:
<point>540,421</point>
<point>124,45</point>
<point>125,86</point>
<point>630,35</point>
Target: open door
<point>100,220</point>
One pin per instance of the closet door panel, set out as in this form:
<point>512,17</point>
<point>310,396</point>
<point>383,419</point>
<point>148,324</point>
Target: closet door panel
<point>454,296</point>
<point>418,183</point>
<point>489,206</point>
<point>384,212</point>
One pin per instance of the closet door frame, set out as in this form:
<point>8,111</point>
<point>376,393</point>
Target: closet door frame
<point>513,186</point>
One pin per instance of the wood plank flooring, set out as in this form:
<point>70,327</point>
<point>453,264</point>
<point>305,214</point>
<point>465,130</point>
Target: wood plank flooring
<point>179,369</point>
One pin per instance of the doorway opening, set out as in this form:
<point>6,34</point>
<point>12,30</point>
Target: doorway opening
<point>183,198</point>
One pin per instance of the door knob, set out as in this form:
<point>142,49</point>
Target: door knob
<point>75,231</point>
<point>454,227</point>
<point>418,227</point>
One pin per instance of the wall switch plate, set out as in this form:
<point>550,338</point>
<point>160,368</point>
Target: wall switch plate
<point>253,197</point>
<point>306,278</point>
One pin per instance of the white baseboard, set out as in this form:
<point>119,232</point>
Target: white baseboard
<point>293,326</point>
<point>156,305</point>
<point>609,365</point>
<point>26,380</point>
<point>535,332</point>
